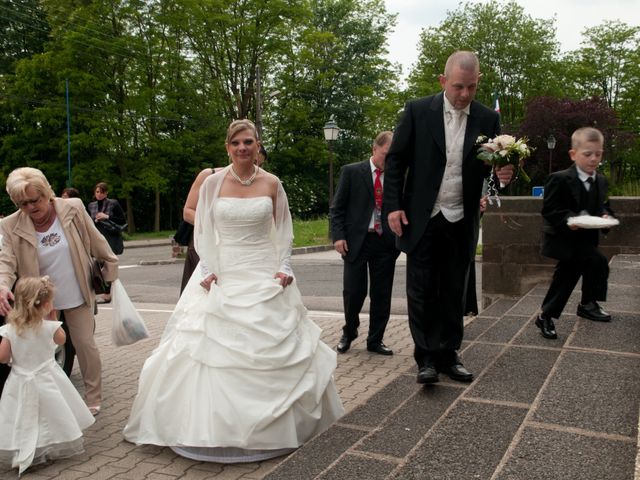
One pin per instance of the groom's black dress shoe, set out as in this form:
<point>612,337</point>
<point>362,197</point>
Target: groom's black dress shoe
<point>593,311</point>
<point>427,374</point>
<point>456,371</point>
<point>546,326</point>
<point>380,348</point>
<point>344,344</point>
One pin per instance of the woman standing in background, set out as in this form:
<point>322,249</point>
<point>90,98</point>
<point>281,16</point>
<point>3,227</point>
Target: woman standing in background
<point>110,221</point>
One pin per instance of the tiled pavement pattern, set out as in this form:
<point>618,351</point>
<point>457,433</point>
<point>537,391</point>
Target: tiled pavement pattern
<point>538,409</point>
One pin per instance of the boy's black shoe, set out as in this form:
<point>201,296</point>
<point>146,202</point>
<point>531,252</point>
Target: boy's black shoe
<point>547,327</point>
<point>593,311</point>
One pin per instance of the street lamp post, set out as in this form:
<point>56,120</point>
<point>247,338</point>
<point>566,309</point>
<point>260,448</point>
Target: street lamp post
<point>551,144</point>
<point>331,131</point>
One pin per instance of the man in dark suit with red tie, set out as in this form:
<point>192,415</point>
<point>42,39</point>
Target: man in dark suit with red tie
<point>432,187</point>
<point>362,236</point>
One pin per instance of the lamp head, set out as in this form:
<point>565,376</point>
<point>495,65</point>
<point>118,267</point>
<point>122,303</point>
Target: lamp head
<point>331,130</point>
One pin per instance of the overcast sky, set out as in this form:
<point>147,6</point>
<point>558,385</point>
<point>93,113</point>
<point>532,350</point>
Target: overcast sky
<point>572,16</point>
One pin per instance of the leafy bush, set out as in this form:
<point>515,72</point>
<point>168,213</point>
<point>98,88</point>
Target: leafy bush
<point>303,197</point>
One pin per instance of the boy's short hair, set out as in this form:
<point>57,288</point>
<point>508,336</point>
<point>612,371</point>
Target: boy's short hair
<point>586,134</point>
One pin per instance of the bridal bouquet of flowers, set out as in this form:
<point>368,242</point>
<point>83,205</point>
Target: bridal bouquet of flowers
<point>505,150</point>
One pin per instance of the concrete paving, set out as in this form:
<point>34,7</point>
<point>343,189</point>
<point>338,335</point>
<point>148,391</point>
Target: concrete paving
<point>537,409</point>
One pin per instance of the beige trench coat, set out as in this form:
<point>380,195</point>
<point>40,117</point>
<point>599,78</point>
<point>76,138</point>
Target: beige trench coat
<point>19,251</point>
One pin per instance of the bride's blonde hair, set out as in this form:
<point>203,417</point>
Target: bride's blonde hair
<point>238,126</point>
<point>31,296</point>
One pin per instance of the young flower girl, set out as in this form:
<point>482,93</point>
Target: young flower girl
<point>41,413</point>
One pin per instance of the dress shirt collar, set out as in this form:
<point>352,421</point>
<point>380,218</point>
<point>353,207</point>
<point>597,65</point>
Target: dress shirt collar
<point>372,166</point>
<point>448,108</point>
<point>583,175</point>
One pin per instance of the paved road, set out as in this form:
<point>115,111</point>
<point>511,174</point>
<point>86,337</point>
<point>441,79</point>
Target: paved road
<point>152,276</point>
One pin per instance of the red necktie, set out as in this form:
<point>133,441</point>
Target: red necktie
<point>377,195</point>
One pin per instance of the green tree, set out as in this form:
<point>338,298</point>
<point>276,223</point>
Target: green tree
<point>335,66</point>
<point>561,117</point>
<point>518,54</point>
<point>608,66</point>
<point>230,38</point>
<point>605,62</point>
<point>24,30</point>
<point>154,84</point>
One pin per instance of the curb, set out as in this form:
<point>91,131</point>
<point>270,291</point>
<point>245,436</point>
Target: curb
<point>147,243</point>
<point>316,248</point>
<point>169,261</point>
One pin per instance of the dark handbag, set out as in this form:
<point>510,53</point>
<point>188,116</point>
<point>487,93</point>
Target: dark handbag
<point>183,234</point>
<point>110,226</point>
<point>113,233</point>
<point>115,242</point>
<point>100,285</point>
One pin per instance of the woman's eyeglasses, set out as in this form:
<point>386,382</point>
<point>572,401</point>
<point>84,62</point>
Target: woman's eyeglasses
<point>25,203</point>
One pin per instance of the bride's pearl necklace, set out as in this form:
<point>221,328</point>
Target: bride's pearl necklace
<point>249,180</point>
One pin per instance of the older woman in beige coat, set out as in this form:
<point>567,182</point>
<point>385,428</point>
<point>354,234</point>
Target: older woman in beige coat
<point>56,237</point>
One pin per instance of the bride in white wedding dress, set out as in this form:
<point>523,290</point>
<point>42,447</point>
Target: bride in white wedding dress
<point>240,374</point>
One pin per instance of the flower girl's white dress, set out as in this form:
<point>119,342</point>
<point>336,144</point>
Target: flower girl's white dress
<point>41,413</point>
<point>240,373</point>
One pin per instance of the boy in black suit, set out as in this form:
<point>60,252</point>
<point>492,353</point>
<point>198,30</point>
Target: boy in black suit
<point>569,193</point>
<point>364,240</point>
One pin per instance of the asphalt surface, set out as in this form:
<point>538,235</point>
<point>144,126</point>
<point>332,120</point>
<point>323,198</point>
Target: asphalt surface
<point>153,276</point>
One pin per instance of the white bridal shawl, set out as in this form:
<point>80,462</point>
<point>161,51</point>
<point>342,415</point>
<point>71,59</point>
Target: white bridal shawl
<point>206,237</point>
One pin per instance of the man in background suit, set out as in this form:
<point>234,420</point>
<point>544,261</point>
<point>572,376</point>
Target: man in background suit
<point>432,188</point>
<point>362,237</point>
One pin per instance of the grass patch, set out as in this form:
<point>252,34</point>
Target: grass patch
<point>307,233</point>
<point>168,234</point>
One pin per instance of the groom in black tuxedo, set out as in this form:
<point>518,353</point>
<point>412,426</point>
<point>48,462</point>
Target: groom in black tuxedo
<point>432,190</point>
<point>362,236</point>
